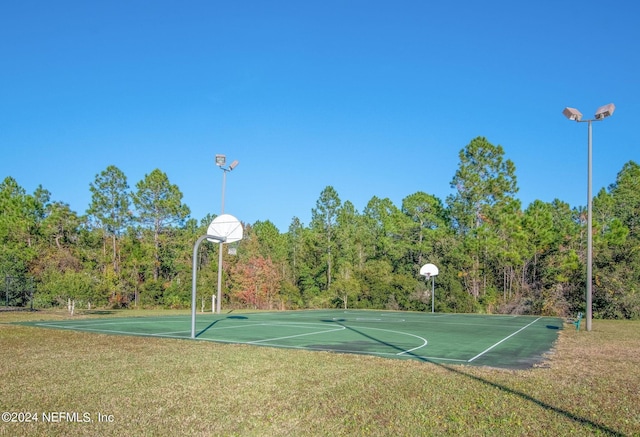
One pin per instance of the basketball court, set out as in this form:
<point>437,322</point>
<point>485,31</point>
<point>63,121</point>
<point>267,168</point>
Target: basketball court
<point>468,339</point>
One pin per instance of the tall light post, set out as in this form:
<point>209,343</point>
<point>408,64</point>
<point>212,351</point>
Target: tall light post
<point>575,115</point>
<point>220,162</point>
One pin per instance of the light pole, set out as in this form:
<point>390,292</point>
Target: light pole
<point>575,115</point>
<point>220,161</point>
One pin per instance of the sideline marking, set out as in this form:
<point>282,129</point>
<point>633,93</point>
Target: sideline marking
<point>504,339</point>
<point>113,331</point>
<point>296,335</point>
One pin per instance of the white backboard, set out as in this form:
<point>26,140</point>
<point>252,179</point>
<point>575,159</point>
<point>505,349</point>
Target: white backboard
<point>429,270</point>
<point>226,226</point>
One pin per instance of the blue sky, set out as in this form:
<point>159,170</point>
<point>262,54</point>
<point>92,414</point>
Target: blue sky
<point>375,98</point>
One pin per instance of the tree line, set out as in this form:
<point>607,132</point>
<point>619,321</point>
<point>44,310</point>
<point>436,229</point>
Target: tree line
<point>133,247</point>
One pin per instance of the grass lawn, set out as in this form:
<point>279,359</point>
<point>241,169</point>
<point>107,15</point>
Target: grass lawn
<point>77,383</point>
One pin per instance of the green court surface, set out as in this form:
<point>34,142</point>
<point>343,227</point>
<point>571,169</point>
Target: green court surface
<point>483,340</point>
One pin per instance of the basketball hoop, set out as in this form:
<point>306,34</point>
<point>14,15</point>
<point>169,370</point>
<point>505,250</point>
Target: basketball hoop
<point>430,271</point>
<point>223,229</point>
<point>227,228</point>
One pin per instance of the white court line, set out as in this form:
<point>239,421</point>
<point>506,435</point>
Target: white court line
<point>257,342</point>
<point>297,335</point>
<point>301,325</point>
<point>504,339</point>
<point>56,325</point>
<point>366,319</point>
<point>422,357</point>
<point>79,324</point>
<point>88,327</point>
<point>342,328</point>
<point>424,340</point>
<point>268,340</point>
<point>170,334</point>
<point>328,349</point>
<point>113,331</point>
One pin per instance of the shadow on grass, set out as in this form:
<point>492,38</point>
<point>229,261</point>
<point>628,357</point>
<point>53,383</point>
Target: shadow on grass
<point>584,421</point>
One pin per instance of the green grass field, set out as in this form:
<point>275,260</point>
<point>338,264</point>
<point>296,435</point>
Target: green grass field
<point>86,383</point>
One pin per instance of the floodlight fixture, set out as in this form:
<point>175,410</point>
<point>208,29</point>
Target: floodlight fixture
<point>220,160</point>
<point>605,111</point>
<point>233,165</point>
<point>572,114</point>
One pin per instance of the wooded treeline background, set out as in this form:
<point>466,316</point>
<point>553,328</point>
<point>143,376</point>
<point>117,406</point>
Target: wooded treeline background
<point>134,247</point>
